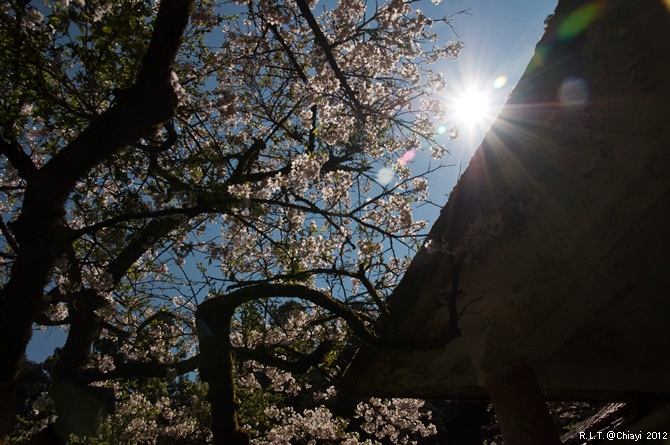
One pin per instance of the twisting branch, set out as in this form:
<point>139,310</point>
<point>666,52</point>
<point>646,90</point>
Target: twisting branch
<point>213,321</point>
<point>154,147</point>
<point>224,306</point>
<point>359,275</point>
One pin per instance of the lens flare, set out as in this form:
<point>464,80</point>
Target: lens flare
<point>385,175</point>
<point>574,92</point>
<point>500,82</point>
<point>579,20</point>
<point>406,157</point>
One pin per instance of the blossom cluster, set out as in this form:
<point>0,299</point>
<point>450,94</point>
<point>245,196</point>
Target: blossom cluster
<point>267,172</point>
<point>374,421</point>
<point>140,420</point>
<point>396,419</point>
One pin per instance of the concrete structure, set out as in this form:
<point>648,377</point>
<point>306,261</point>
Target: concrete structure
<point>552,255</point>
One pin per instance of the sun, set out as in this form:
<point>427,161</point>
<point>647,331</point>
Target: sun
<point>471,107</point>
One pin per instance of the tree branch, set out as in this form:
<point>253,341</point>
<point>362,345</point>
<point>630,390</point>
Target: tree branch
<point>299,366</point>
<point>39,230</point>
<point>212,313</point>
<point>141,369</point>
<point>322,42</point>
<point>17,157</point>
<point>150,234</point>
<point>213,322</point>
<point>359,275</point>
<point>8,236</point>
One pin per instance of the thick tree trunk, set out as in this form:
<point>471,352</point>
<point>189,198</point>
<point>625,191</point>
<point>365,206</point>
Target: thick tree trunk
<point>216,368</point>
<point>40,231</point>
<point>223,399</point>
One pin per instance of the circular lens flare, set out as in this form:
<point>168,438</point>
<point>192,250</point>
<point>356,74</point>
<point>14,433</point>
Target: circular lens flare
<point>500,82</point>
<point>385,175</point>
<point>406,157</point>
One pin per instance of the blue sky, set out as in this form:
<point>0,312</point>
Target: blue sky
<point>499,38</point>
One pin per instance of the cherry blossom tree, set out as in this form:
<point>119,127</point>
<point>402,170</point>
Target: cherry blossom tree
<point>175,174</point>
